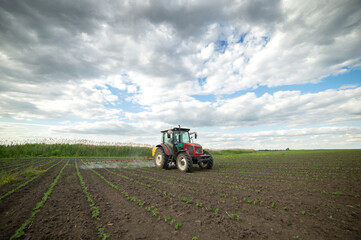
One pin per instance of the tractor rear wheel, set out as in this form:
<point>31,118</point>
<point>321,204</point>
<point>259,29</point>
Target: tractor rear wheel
<point>206,165</point>
<point>184,162</point>
<point>160,159</point>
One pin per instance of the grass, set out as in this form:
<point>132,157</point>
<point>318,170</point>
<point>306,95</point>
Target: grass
<point>31,172</point>
<point>6,179</point>
<point>71,150</point>
<point>26,173</point>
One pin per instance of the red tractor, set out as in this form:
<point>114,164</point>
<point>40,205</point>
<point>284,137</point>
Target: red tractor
<point>176,147</point>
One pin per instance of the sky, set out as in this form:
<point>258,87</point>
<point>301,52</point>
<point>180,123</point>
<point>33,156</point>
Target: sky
<point>243,74</point>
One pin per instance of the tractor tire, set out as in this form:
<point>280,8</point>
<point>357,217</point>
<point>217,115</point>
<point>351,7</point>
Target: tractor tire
<point>160,159</point>
<point>184,162</point>
<point>206,165</point>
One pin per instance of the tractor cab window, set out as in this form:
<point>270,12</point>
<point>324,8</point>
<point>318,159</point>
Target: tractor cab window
<point>181,137</point>
<point>185,137</point>
<point>166,139</point>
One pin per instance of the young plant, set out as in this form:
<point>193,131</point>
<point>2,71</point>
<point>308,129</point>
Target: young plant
<point>234,216</point>
<point>177,225</point>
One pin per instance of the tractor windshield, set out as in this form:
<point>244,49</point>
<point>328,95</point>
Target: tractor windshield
<point>181,137</point>
<point>185,137</point>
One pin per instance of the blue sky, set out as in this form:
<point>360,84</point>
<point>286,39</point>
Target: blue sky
<point>249,74</point>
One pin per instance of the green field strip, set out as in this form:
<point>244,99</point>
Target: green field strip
<point>93,207</point>
<point>21,230</point>
<point>37,150</point>
<point>152,209</point>
<point>27,182</point>
<point>183,199</point>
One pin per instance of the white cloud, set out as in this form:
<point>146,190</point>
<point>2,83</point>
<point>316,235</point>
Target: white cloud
<point>284,107</point>
<point>85,99</point>
<point>304,138</point>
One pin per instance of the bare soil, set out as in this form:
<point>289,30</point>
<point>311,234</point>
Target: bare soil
<point>280,195</point>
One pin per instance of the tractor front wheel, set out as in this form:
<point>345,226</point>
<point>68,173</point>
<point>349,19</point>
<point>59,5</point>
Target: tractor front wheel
<point>160,159</point>
<point>206,165</point>
<point>184,162</point>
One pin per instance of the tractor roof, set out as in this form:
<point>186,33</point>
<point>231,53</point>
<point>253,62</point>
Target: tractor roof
<point>176,129</point>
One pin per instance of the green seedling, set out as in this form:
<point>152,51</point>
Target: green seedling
<point>337,193</point>
<point>234,216</point>
<point>178,225</point>
<point>155,212</point>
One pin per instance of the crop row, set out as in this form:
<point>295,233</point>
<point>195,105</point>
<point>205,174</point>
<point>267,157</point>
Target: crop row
<point>21,230</point>
<point>185,199</point>
<point>10,163</point>
<point>211,182</point>
<point>151,208</point>
<point>268,204</point>
<point>25,172</point>
<point>94,208</point>
<point>28,181</point>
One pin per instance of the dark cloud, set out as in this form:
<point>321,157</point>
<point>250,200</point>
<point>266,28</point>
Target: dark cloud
<point>11,107</point>
<point>45,36</point>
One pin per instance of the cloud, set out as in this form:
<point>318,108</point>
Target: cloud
<point>88,61</point>
<point>283,107</point>
<point>232,45</point>
<point>303,138</point>
<point>85,99</point>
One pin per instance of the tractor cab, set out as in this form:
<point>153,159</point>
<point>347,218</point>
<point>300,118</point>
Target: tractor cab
<point>177,146</point>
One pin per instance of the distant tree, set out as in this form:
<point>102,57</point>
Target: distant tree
<point>287,149</point>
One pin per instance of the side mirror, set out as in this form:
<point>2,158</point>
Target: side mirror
<point>195,134</point>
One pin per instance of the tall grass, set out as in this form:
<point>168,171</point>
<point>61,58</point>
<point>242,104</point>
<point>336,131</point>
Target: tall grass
<point>71,150</point>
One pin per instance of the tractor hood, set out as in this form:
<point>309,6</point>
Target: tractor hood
<point>193,148</point>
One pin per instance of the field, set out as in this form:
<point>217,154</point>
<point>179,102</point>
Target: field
<point>258,195</point>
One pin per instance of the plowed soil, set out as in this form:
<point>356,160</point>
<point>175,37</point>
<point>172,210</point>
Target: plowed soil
<point>262,195</point>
